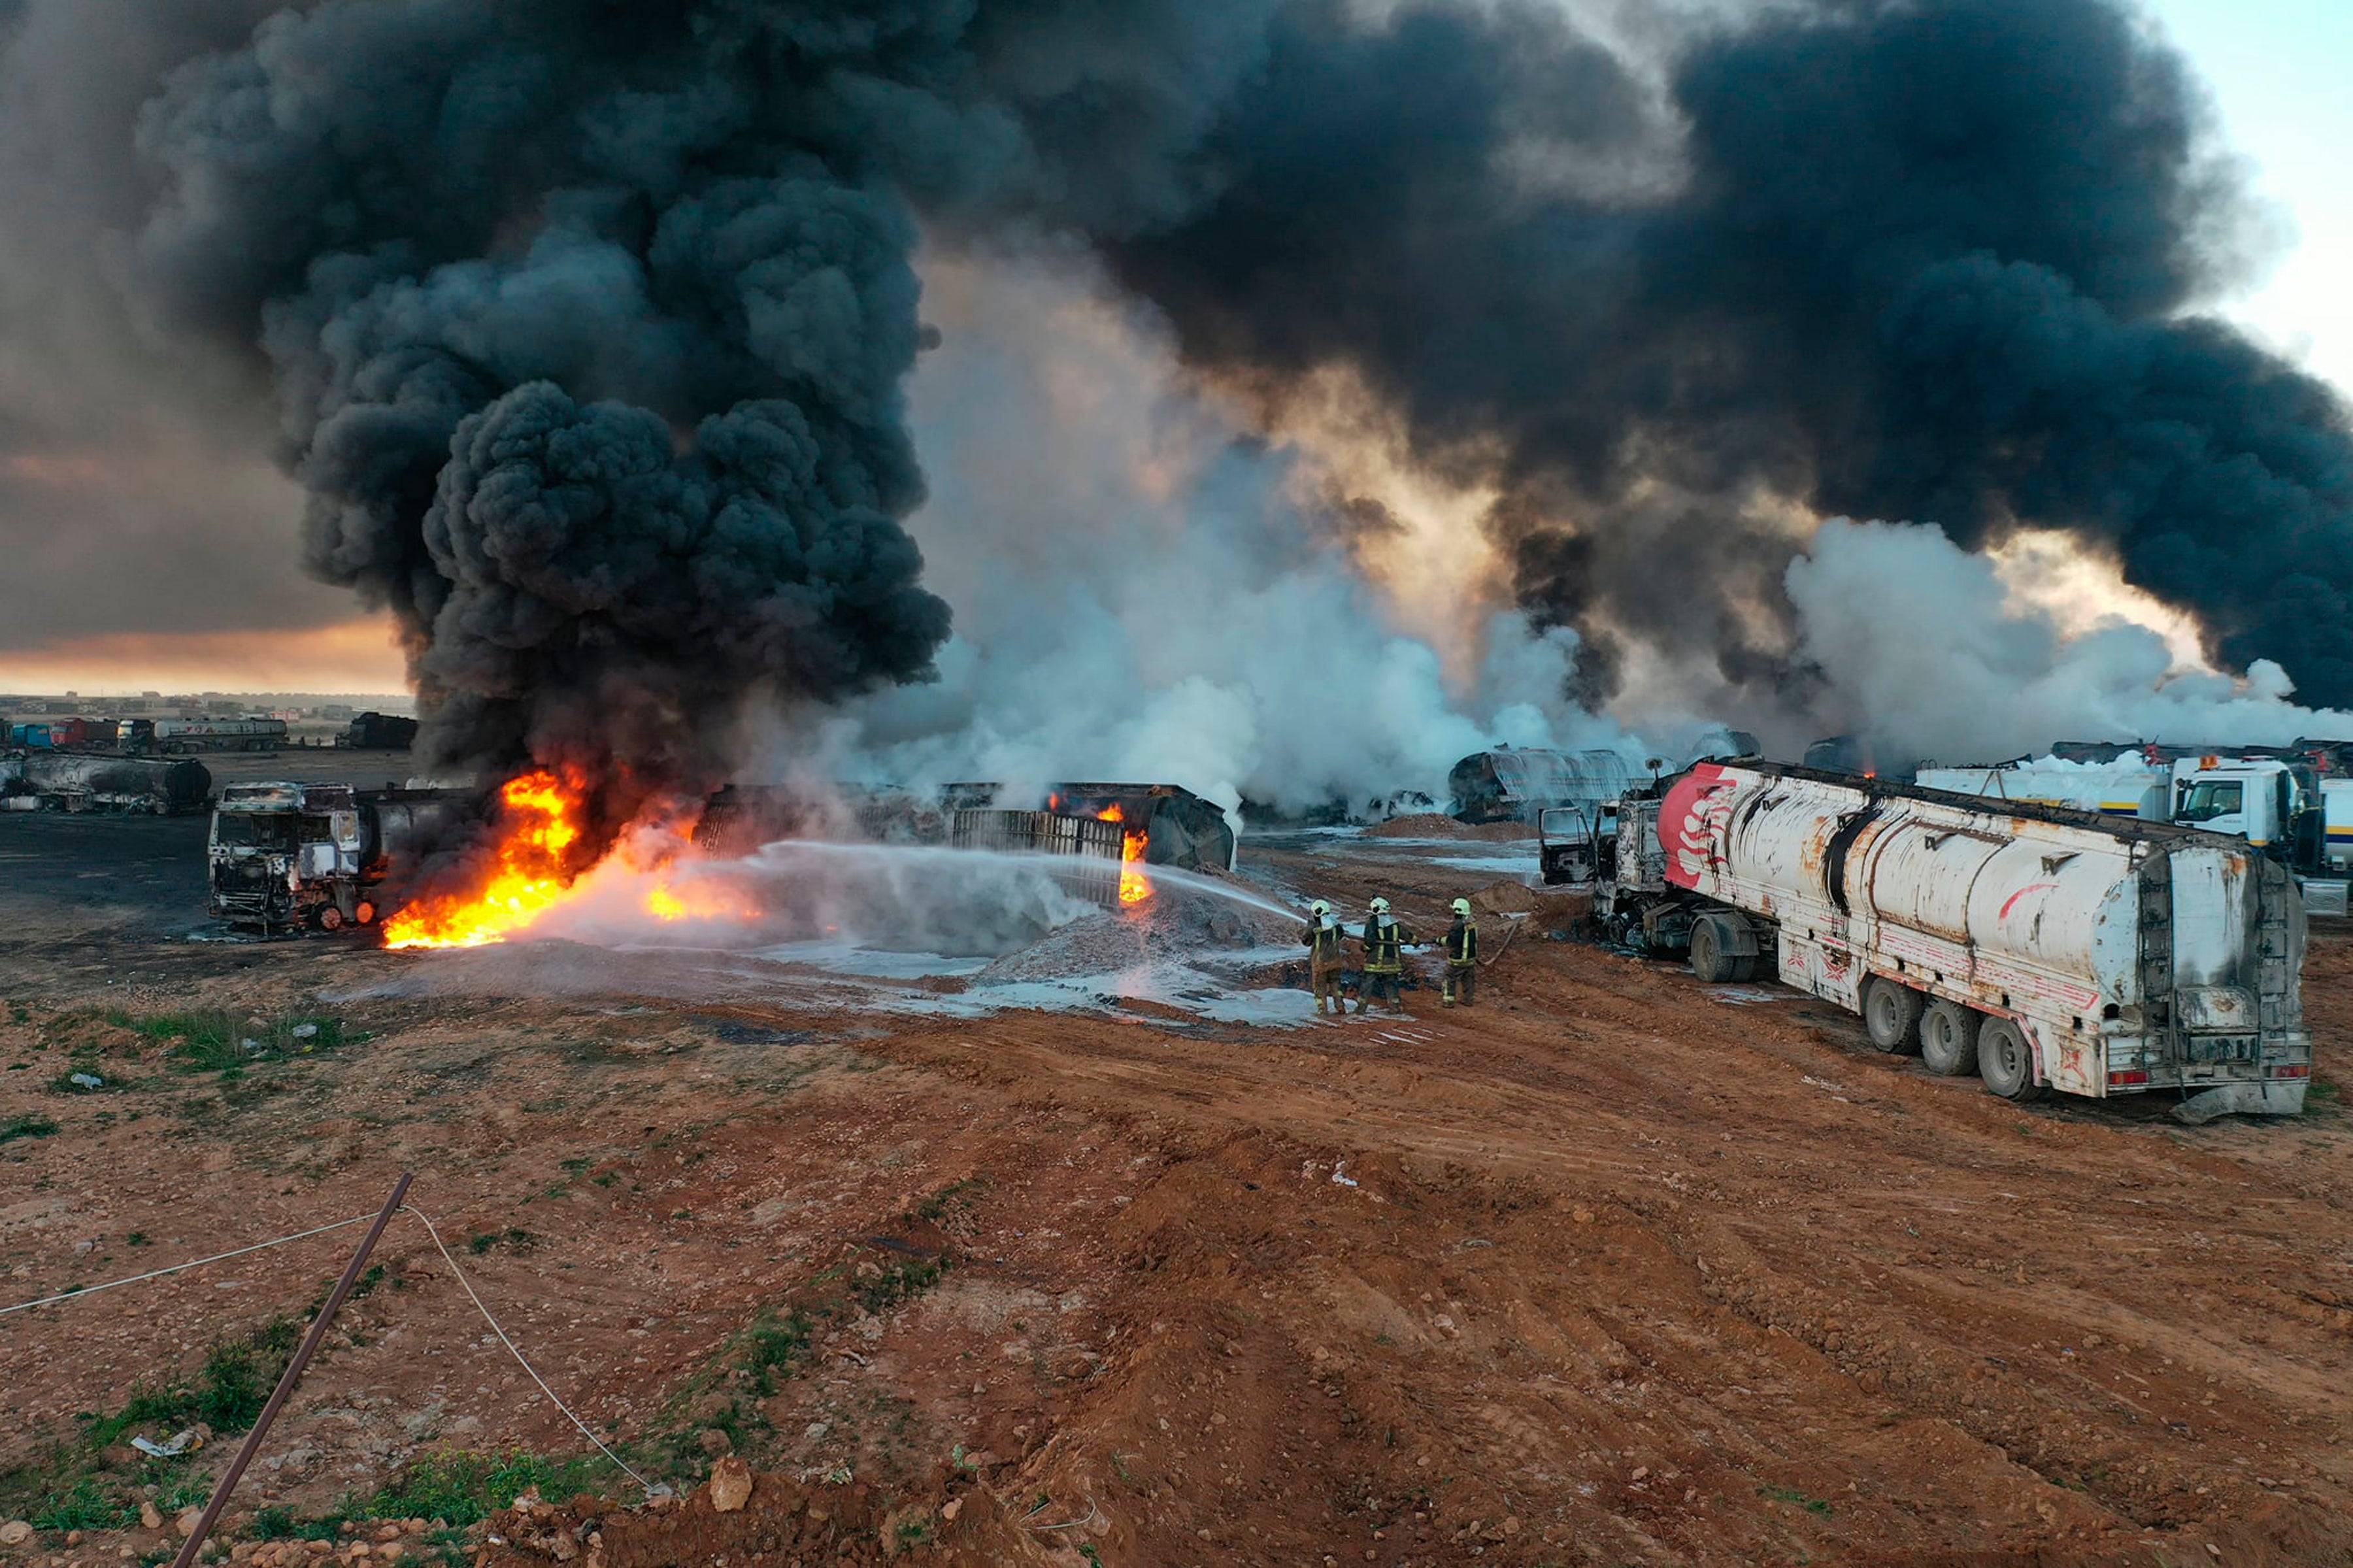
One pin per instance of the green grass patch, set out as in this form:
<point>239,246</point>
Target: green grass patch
<point>956,1198</point>
<point>773,1349</point>
<point>84,1505</point>
<point>513,1238</point>
<point>461,1486</point>
<point>226,1391</point>
<point>1792,1495</point>
<point>32,1124</point>
<point>275,1523</point>
<point>222,1041</point>
<point>899,1281</point>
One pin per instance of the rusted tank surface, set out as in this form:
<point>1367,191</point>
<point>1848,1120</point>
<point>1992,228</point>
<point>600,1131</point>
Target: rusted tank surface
<point>2133,955</point>
<point>85,781</point>
<point>1181,829</point>
<point>1512,784</point>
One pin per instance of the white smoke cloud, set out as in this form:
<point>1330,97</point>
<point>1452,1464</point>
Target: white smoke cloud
<point>1143,592</point>
<point>1926,648</point>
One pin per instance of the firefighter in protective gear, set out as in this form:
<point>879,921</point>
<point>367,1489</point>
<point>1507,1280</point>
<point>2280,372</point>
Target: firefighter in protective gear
<point>1385,941</point>
<point>1461,955</point>
<point>1325,936</point>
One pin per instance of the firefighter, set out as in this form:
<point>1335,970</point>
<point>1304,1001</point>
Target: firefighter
<point>1385,941</point>
<point>1461,955</point>
<point>1325,936</point>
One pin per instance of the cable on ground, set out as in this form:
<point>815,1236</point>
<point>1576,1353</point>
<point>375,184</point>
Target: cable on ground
<point>648,1487</point>
<point>465,1284</point>
<point>193,1263</point>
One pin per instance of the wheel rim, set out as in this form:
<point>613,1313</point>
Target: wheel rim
<point>1937,1038</point>
<point>2009,1060</point>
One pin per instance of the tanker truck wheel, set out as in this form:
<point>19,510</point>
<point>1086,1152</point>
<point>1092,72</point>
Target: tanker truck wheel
<point>365,913</point>
<point>1949,1038</point>
<point>2006,1061</point>
<point>1708,959</point>
<point>331,918</point>
<point>1891,1016</point>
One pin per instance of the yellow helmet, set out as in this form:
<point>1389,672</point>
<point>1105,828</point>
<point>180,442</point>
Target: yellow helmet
<point>1462,907</point>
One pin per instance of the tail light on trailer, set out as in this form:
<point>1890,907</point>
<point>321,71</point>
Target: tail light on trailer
<point>2122,1079</point>
<point>2297,1070</point>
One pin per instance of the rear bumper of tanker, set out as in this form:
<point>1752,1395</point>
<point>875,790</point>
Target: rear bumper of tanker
<point>2222,1076</point>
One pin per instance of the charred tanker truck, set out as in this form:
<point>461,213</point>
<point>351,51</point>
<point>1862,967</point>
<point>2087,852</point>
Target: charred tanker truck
<point>287,858</point>
<point>2039,947</point>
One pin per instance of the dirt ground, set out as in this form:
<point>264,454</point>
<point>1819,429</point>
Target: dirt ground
<point>1612,1269</point>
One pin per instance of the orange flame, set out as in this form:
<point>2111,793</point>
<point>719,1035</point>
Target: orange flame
<point>699,902</point>
<point>529,877</point>
<point>1135,886</point>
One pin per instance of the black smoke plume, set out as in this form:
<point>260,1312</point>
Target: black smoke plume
<point>587,319</point>
<point>588,322</point>
<point>1906,259</point>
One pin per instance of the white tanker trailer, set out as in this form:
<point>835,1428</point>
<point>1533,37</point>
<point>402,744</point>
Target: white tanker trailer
<point>2041,947</point>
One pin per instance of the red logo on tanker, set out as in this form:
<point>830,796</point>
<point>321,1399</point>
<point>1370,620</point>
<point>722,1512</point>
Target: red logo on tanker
<point>2011,902</point>
<point>1689,819</point>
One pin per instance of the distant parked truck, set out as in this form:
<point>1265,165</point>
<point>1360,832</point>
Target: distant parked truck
<point>65,735</point>
<point>379,733</point>
<point>80,781</point>
<point>175,735</point>
<point>2039,947</point>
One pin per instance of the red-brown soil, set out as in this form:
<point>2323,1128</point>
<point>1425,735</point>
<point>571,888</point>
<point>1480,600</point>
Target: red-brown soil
<point>1612,1269</point>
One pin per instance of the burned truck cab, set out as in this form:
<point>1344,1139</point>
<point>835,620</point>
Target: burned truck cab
<point>289,856</point>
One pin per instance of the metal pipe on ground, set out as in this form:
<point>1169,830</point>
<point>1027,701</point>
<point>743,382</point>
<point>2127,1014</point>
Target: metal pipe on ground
<point>293,1375</point>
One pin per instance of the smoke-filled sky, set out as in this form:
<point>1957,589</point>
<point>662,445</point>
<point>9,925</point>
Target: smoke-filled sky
<point>1501,357</point>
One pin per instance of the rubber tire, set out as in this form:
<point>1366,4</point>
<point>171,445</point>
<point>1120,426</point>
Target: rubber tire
<point>365,913</point>
<point>1708,959</point>
<point>1949,1038</point>
<point>2006,1062</point>
<point>1891,1016</point>
<point>330,918</point>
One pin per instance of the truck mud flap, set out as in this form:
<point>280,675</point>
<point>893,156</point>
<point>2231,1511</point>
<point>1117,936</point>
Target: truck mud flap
<point>2283,1098</point>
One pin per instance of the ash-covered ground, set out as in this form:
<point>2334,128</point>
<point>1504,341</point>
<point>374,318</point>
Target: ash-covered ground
<point>1102,1248</point>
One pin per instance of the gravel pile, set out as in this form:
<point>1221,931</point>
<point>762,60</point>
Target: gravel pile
<point>1173,925</point>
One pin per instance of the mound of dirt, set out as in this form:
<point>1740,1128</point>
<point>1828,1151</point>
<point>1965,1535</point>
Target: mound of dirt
<point>767,1519</point>
<point>1429,824</point>
<point>1505,897</point>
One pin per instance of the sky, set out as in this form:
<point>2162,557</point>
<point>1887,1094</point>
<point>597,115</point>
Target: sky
<point>2277,70</point>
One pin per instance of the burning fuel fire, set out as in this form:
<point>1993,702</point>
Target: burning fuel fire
<point>529,873</point>
<point>1135,886</point>
<point>697,901</point>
